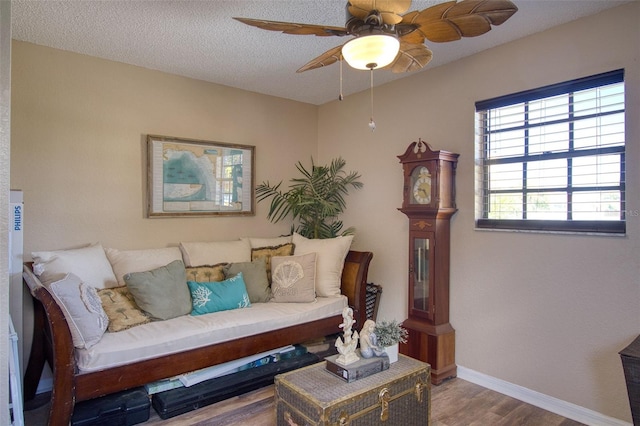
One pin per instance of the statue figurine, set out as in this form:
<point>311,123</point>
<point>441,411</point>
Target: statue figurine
<point>347,347</point>
<point>366,347</point>
<point>368,341</point>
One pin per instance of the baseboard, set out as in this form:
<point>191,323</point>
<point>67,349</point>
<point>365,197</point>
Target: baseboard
<point>554,405</point>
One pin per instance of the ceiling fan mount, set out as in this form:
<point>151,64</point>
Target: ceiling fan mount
<point>444,22</point>
<point>373,19</point>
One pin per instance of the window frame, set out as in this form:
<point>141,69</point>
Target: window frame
<point>483,161</point>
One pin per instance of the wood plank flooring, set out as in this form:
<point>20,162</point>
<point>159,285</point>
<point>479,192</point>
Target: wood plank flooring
<point>456,402</point>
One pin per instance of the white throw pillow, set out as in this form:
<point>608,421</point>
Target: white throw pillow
<point>129,261</point>
<point>90,264</point>
<point>330,260</point>
<point>82,309</point>
<point>214,252</point>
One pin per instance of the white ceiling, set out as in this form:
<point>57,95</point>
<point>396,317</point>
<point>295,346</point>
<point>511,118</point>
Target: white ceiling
<point>198,39</point>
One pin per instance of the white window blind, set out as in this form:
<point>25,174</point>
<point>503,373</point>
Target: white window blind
<point>553,158</point>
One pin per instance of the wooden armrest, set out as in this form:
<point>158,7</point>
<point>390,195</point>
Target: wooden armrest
<point>354,283</point>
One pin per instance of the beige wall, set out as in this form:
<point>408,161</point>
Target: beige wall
<point>547,312</point>
<point>78,127</point>
<point>78,153</point>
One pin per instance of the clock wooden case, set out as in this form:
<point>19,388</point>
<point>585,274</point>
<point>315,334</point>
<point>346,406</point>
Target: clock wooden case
<point>429,203</point>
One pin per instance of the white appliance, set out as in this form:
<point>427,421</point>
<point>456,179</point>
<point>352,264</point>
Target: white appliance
<point>16,229</point>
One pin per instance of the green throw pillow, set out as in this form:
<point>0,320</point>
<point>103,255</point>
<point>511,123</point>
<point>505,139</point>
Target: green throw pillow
<point>218,296</point>
<point>161,292</point>
<point>255,278</point>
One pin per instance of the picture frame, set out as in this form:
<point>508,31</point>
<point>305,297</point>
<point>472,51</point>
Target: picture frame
<point>198,178</point>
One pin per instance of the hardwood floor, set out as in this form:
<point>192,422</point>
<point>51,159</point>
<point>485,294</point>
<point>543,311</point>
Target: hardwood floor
<point>456,402</point>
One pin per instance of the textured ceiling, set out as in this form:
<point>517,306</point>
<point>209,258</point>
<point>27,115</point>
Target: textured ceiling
<point>198,39</point>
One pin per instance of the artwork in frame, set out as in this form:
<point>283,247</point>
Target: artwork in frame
<point>188,177</point>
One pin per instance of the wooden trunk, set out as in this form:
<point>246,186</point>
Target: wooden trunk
<point>399,396</point>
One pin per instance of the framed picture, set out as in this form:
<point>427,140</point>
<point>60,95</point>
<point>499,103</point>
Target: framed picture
<point>189,177</point>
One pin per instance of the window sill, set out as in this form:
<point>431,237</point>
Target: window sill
<point>538,231</point>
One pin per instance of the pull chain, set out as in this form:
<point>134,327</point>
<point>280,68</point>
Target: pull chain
<point>340,97</point>
<point>372,124</point>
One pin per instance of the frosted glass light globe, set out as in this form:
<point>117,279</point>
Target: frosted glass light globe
<point>371,52</point>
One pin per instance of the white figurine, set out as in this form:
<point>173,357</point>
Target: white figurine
<point>368,341</point>
<point>347,347</point>
<point>366,349</point>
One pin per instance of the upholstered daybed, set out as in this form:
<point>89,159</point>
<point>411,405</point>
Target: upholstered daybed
<point>162,349</point>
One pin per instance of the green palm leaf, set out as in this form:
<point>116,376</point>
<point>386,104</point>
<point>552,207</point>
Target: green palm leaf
<point>315,200</point>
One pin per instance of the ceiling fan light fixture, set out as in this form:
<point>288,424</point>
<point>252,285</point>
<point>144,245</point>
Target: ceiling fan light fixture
<point>371,51</point>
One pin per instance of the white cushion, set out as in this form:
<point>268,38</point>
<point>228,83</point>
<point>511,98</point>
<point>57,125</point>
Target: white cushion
<point>82,309</point>
<point>90,264</point>
<point>159,338</point>
<point>268,242</point>
<point>129,261</point>
<point>214,252</point>
<point>329,263</point>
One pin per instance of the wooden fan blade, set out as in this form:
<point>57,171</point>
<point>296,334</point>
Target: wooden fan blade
<point>294,28</point>
<point>453,20</point>
<point>411,57</point>
<point>329,57</point>
<point>390,10</point>
<point>412,36</point>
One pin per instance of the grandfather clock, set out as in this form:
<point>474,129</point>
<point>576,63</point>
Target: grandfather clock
<point>429,202</point>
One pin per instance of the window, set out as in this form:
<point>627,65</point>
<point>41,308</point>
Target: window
<point>229,178</point>
<point>553,159</point>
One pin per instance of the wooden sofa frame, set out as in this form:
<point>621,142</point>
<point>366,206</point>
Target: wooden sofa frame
<point>52,343</point>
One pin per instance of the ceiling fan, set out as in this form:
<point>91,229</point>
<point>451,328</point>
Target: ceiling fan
<point>386,37</point>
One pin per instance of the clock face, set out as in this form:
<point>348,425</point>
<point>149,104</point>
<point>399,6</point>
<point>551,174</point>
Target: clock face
<point>421,191</point>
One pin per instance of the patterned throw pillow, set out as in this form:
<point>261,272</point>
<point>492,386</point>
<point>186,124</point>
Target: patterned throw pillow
<point>224,295</point>
<point>82,309</point>
<point>267,242</point>
<point>294,278</point>
<point>267,253</point>
<point>206,273</point>
<point>121,309</point>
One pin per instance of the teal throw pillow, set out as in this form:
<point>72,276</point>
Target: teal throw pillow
<point>218,296</point>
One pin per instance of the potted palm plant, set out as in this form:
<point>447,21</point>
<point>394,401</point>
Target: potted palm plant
<point>389,334</point>
<point>315,200</point>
